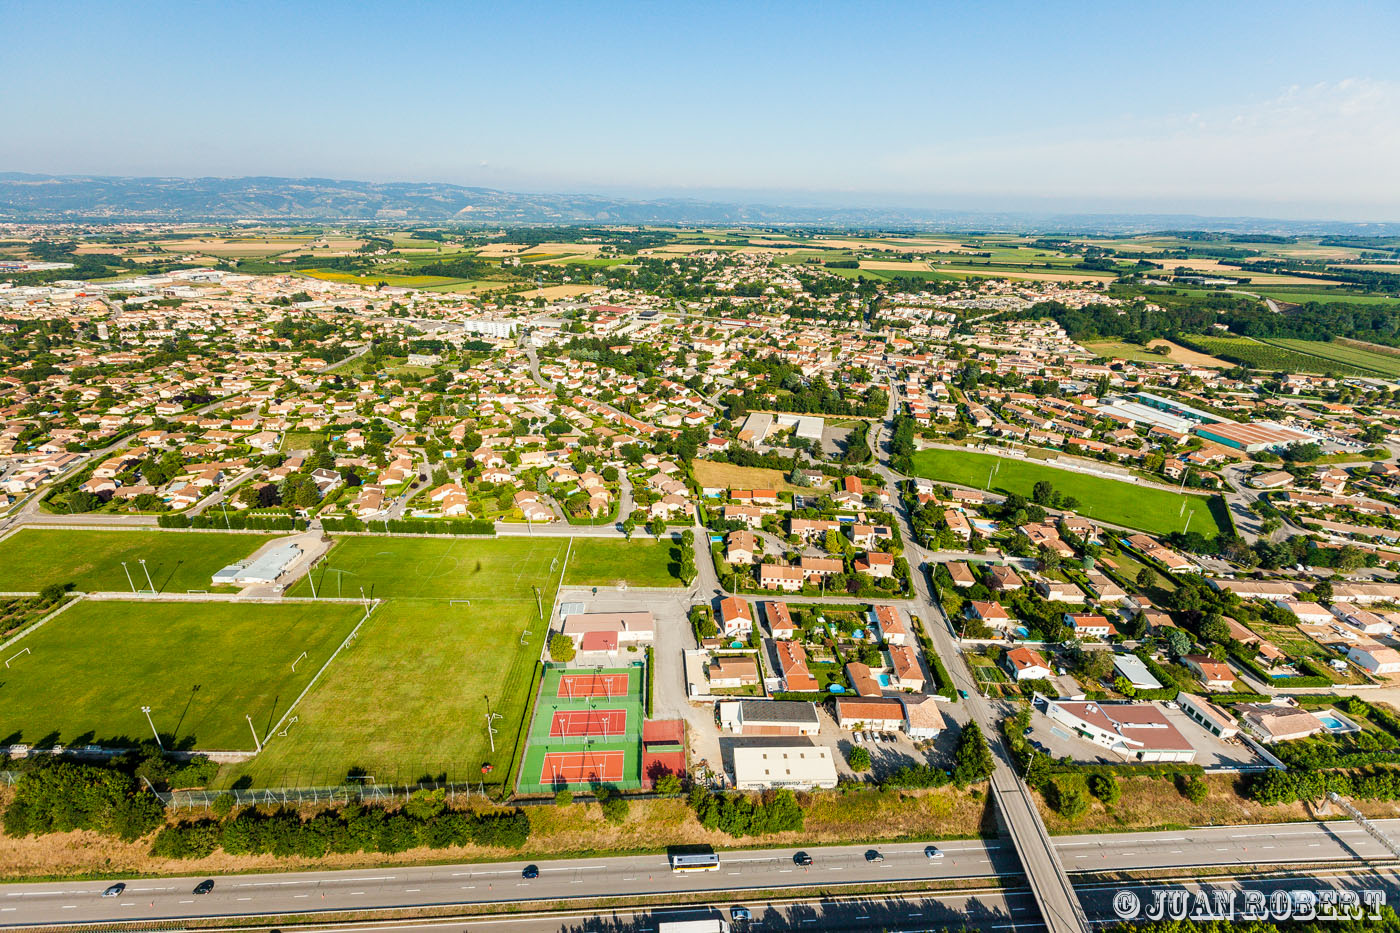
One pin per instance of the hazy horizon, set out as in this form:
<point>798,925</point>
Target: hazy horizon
<point>1283,110</point>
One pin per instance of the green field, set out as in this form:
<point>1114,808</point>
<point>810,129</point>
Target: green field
<point>91,560</point>
<point>408,698</point>
<point>1296,356</point>
<point>201,667</point>
<point>1156,511</point>
<point>643,561</point>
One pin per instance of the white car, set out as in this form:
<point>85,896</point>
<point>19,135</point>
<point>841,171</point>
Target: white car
<point>932,853</point>
<point>855,737</point>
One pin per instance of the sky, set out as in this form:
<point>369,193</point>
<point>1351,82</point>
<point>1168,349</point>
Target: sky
<point>1281,109</point>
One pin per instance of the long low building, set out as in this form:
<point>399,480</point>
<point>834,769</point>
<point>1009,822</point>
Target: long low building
<point>607,631</point>
<point>769,717</point>
<point>1135,731</point>
<point>796,766</point>
<point>265,569</point>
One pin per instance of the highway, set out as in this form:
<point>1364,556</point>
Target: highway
<point>624,876</point>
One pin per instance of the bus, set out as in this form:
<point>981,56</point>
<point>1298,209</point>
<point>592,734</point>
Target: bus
<point>692,926</point>
<point>694,861</point>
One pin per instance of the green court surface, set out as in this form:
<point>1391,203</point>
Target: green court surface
<point>201,668</point>
<point>91,559</point>
<point>615,757</point>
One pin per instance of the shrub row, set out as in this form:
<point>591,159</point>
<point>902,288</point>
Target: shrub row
<point>218,521</point>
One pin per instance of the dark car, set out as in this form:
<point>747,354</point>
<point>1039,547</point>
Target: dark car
<point>531,871</point>
<point>872,855</point>
<point>802,858</point>
<point>115,889</point>
<point>205,886</point>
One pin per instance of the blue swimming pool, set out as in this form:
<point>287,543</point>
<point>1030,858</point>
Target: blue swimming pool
<point>884,679</point>
<point>1332,723</point>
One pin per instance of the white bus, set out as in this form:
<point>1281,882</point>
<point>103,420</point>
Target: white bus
<point>703,861</point>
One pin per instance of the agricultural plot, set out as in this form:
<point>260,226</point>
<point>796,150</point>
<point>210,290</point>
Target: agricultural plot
<point>729,476</point>
<point>200,667</point>
<point>1278,355</point>
<point>1156,511</point>
<point>459,631</point>
<point>91,560</point>
<point>1340,353</point>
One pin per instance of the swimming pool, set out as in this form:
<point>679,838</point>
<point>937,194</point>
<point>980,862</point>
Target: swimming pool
<point>884,679</point>
<point>1336,722</point>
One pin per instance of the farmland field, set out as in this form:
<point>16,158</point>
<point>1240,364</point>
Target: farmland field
<point>459,624</point>
<point>1301,356</point>
<point>91,560</point>
<point>643,561</point>
<point>201,667</point>
<point>1157,511</point>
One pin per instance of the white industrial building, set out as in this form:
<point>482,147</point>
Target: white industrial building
<point>798,767</point>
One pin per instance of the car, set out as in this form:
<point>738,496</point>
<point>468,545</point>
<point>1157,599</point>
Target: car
<point>740,913</point>
<point>855,737</point>
<point>531,871</point>
<point>963,694</point>
<point>1028,730</point>
<point>931,853</point>
<point>115,889</point>
<point>802,858</point>
<point>205,886</point>
<point>872,855</point>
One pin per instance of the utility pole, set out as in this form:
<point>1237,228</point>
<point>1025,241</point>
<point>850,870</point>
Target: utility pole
<point>142,562</point>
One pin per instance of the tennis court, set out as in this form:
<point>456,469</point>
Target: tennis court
<point>588,722</point>
<point>561,768</point>
<point>594,684</point>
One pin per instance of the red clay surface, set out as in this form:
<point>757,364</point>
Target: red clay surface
<point>588,722</point>
<point>578,767</point>
<point>655,764</point>
<point>593,685</point>
<point>663,732</point>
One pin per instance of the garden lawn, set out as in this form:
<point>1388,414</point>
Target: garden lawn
<point>32,558</point>
<point>639,562</point>
<point>1156,511</point>
<point>200,667</point>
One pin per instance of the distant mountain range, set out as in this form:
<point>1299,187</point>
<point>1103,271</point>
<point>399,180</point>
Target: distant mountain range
<point>95,198</point>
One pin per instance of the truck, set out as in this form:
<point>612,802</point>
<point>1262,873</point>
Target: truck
<point>710,925</point>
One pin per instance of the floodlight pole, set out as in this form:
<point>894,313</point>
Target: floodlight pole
<point>311,578</point>
<point>159,743</point>
<point>129,581</point>
<point>256,741</point>
<point>142,562</point>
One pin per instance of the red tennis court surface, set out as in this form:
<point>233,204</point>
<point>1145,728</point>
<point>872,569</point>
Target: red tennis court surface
<point>588,722</point>
<point>655,764</point>
<point>578,767</point>
<point>593,685</point>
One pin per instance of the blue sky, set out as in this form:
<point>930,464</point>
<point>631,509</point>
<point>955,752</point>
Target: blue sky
<point>1280,109</point>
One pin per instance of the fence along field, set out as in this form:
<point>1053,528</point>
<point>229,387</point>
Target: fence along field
<point>460,621</point>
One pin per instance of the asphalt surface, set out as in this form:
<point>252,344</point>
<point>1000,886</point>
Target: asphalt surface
<point>754,870</point>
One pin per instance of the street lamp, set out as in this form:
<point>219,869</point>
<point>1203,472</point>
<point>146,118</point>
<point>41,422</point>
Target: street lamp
<point>128,577</point>
<point>142,562</point>
<point>147,711</point>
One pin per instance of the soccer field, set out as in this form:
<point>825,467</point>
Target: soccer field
<point>200,667</point>
<point>1152,510</point>
<point>408,698</point>
<point>639,562</point>
<point>91,560</point>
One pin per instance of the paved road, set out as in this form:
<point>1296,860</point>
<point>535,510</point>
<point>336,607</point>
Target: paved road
<point>755,870</point>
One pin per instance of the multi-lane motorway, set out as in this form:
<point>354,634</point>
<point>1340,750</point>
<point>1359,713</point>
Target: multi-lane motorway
<point>748,871</point>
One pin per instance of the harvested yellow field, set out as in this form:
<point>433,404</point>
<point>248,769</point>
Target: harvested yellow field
<point>1179,354</point>
<point>890,266</point>
<point>221,247</point>
<point>728,475</point>
<point>560,291</point>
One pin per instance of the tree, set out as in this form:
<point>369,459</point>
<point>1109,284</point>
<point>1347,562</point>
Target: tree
<point>629,525</point>
<point>668,785</point>
<point>563,797</point>
<point>1105,787</point>
<point>612,803</point>
<point>656,527</point>
<point>561,648</point>
<point>1214,629</point>
<point>1096,665</point>
<point>858,758</point>
<point>972,759</point>
<point>1146,578</point>
<point>1178,642</point>
<point>1192,788</point>
<point>1067,801</point>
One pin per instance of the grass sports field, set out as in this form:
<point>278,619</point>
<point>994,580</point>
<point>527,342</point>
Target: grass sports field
<point>408,698</point>
<point>643,561</point>
<point>1156,511</point>
<point>201,667</point>
<point>32,558</point>
<point>586,730</point>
